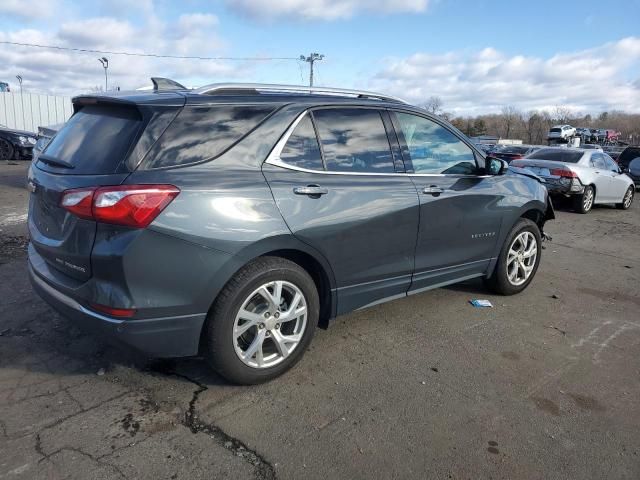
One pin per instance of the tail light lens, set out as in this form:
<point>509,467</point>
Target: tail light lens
<point>129,205</point>
<point>564,173</point>
<point>114,312</point>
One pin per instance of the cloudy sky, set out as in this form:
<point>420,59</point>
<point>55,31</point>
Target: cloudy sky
<point>477,56</point>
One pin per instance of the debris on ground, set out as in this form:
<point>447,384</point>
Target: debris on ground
<point>555,296</point>
<point>563,332</point>
<point>481,303</point>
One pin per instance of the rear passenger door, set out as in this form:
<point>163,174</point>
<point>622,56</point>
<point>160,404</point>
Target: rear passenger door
<point>461,208</point>
<point>343,197</point>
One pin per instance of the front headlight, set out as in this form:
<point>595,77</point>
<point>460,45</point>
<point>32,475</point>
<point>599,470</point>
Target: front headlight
<point>22,139</point>
<point>31,140</point>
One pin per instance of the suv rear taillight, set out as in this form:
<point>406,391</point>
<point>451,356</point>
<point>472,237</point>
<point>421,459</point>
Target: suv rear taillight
<point>564,173</point>
<point>129,205</point>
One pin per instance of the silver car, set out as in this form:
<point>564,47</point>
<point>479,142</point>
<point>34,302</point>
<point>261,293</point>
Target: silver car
<point>589,177</point>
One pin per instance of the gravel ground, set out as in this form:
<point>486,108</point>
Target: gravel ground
<point>543,385</point>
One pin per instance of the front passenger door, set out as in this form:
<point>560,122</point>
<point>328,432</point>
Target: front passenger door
<point>460,207</point>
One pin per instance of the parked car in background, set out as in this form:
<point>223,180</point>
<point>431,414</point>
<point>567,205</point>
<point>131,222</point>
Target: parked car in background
<point>561,132</point>
<point>588,177</point>
<point>16,144</point>
<point>600,134</point>
<point>590,146</point>
<point>584,134</point>
<point>612,136</point>
<point>233,219</point>
<point>510,152</point>
<point>627,156</point>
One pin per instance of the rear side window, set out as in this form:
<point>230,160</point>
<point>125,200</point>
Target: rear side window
<point>354,140</point>
<point>302,149</point>
<point>202,133</point>
<point>95,140</point>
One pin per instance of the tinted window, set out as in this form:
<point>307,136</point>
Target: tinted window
<point>557,155</point>
<point>202,133</point>
<point>434,149</point>
<point>95,140</point>
<point>354,140</point>
<point>302,148</point>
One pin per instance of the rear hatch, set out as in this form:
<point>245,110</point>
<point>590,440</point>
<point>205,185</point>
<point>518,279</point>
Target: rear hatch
<point>94,148</point>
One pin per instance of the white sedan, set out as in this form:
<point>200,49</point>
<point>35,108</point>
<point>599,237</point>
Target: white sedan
<point>589,177</point>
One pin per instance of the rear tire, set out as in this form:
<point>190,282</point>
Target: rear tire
<point>584,203</point>
<point>255,330</point>
<point>518,261</point>
<point>627,200</point>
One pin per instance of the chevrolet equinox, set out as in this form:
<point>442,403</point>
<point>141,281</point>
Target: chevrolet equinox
<point>231,220</point>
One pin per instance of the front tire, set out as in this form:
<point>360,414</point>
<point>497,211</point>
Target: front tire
<point>262,321</point>
<point>584,203</point>
<point>519,259</point>
<point>627,200</point>
<point>6,150</point>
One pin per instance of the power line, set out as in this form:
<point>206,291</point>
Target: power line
<point>153,55</point>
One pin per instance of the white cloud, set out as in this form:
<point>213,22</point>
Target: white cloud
<point>484,81</point>
<point>28,10</point>
<point>65,72</point>
<point>323,9</point>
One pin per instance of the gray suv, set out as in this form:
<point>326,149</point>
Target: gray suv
<point>231,220</point>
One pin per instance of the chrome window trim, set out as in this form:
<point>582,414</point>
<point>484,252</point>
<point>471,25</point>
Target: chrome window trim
<point>274,159</point>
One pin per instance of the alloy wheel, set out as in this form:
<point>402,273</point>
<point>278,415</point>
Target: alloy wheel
<point>628,198</point>
<point>270,324</point>
<point>521,258</point>
<point>587,200</point>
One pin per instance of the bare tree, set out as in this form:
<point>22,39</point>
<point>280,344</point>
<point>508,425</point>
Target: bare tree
<point>562,114</point>
<point>434,105</point>
<point>511,119</point>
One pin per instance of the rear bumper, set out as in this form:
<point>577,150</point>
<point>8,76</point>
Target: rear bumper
<point>157,337</point>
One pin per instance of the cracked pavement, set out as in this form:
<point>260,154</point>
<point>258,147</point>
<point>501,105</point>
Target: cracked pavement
<point>425,387</point>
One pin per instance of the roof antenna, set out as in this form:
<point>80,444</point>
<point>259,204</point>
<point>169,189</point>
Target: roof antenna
<point>160,83</point>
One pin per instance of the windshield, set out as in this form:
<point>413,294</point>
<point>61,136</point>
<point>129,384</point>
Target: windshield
<point>557,155</point>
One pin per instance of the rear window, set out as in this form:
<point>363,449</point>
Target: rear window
<point>511,149</point>
<point>95,140</point>
<point>556,130</point>
<point>557,155</point>
<point>202,133</point>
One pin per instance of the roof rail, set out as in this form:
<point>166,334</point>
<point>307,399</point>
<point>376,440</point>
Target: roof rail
<point>161,83</point>
<point>243,88</point>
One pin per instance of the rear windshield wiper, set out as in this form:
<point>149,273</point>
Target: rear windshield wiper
<point>54,162</point>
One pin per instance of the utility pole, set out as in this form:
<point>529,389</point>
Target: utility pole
<point>19,78</point>
<point>311,59</point>
<point>105,64</point>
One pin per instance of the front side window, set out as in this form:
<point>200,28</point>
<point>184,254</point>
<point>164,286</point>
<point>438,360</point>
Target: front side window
<point>432,149</point>
<point>354,140</point>
<point>302,149</point>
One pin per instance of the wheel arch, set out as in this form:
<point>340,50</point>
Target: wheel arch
<point>290,248</point>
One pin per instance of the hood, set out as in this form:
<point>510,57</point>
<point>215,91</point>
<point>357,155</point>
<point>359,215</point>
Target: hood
<point>17,132</point>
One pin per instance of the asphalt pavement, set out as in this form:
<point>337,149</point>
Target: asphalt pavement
<point>544,385</point>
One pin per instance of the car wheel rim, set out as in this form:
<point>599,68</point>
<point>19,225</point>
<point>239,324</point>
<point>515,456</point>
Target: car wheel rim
<point>270,324</point>
<point>587,203</point>
<point>628,198</point>
<point>521,258</point>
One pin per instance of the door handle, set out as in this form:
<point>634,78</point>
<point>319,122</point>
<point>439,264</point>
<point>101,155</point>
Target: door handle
<point>311,190</point>
<point>433,190</point>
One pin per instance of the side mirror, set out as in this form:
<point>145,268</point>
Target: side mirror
<point>495,166</point>
<point>634,167</point>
